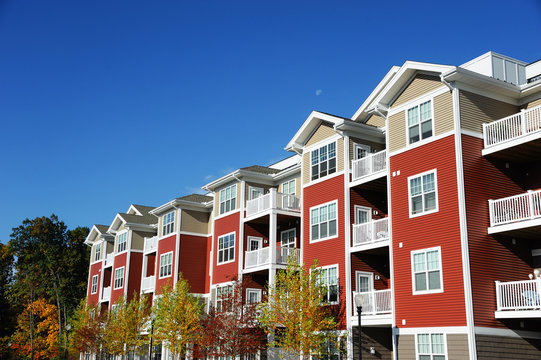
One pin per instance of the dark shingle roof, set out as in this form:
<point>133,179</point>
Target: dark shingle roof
<point>260,169</point>
<point>143,209</point>
<point>146,219</point>
<point>198,198</point>
<point>102,228</point>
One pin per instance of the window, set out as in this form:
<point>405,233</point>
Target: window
<point>94,288</point>
<point>423,193</point>
<point>323,222</point>
<point>122,240</point>
<point>420,122</point>
<point>228,197</point>
<point>253,296</point>
<point>329,278</point>
<point>289,187</point>
<point>168,223</point>
<point>222,293</point>
<point>226,248</point>
<point>431,347</point>
<point>119,278</point>
<point>427,275</point>
<point>255,192</point>
<point>328,350</point>
<point>360,151</point>
<point>288,238</point>
<point>97,254</point>
<point>324,161</point>
<point>166,264</point>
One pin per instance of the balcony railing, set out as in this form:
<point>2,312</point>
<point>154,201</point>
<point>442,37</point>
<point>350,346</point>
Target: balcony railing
<point>518,295</point>
<point>109,259</point>
<point>375,302</point>
<point>148,283</point>
<point>106,294</point>
<point>273,200</point>
<point>515,208</point>
<point>371,232</point>
<point>512,127</point>
<point>369,165</point>
<point>262,256</point>
<point>151,244</point>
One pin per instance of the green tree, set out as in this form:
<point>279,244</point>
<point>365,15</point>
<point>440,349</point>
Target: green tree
<point>7,313</point>
<point>87,329</point>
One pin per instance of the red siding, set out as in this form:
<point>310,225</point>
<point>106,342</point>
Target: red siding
<point>426,231</point>
<point>164,246</point>
<point>223,226</point>
<point>120,261</point>
<point>193,250</point>
<point>207,272</point>
<point>136,269</point>
<point>95,269</point>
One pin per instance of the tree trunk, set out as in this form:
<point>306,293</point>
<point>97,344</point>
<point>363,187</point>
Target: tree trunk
<point>58,307</point>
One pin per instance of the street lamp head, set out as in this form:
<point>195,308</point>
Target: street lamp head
<point>359,300</point>
<point>152,316</point>
<point>68,327</point>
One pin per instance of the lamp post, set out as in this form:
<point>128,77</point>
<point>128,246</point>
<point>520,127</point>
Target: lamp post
<point>152,318</point>
<point>359,300</point>
<point>68,328</point>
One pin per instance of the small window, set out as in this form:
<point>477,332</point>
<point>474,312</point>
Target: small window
<point>360,151</point>
<point>329,278</point>
<point>253,296</point>
<point>168,223</point>
<point>328,350</point>
<point>323,222</point>
<point>323,161</point>
<point>222,293</point>
<point>288,238</point>
<point>255,192</point>
<point>420,122</point>
<point>289,187</point>
<point>423,193</point>
<point>94,288</point>
<point>122,241</point>
<point>228,199</point>
<point>97,254</point>
<point>431,347</point>
<point>166,264</point>
<point>226,248</point>
<point>119,278</point>
<point>427,274</point>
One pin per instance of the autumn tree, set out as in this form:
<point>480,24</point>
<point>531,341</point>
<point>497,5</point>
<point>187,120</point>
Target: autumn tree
<point>294,313</point>
<point>87,328</point>
<point>7,316</point>
<point>178,318</point>
<point>232,329</point>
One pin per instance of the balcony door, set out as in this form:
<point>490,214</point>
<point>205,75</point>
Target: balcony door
<point>255,192</point>
<point>360,151</point>
<point>364,281</point>
<point>254,243</point>
<point>362,214</point>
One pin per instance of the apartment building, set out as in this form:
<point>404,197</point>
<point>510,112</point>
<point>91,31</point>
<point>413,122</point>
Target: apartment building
<point>426,203</point>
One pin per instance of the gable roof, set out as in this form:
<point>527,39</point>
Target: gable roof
<point>198,198</point>
<point>260,169</point>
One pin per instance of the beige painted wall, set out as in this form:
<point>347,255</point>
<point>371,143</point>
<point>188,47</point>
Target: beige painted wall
<point>373,146</point>
<point>194,221</point>
<point>476,110</point>
<point>397,131</point>
<point>138,239</point>
<point>406,347</point>
<point>532,104</point>
<point>457,346</point>
<point>324,131</point>
<point>376,120</point>
<point>297,178</point>
<point>420,85</point>
<point>443,113</point>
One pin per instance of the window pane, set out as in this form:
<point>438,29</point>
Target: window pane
<point>315,232</point>
<point>332,211</point>
<point>323,214</point>
<point>434,280</point>
<point>433,260</point>
<point>323,168</point>
<point>323,230</point>
<point>428,182</point>
<point>420,282</point>
<point>315,216</point>
<point>426,111</point>
<point>415,186</point>
<point>413,116</point>
<point>332,150</point>
<point>426,129</point>
<point>417,204</point>
<point>332,165</point>
<point>423,343</point>
<point>323,153</point>
<point>430,201</point>
<point>332,227</point>
<point>414,134</point>
<point>437,344</point>
<point>315,172</point>
<point>419,262</point>
<point>438,357</point>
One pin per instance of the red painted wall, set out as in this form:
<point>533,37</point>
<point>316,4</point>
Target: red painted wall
<point>164,246</point>
<point>95,269</point>
<point>376,264</point>
<point>136,269</point>
<point>193,250</point>
<point>222,226</point>
<point>426,231</point>
<point>120,261</point>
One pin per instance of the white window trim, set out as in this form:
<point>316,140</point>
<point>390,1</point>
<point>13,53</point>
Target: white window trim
<point>100,252</point>
<point>92,290</point>
<point>171,224</point>
<point>362,146</point>
<point>216,287</point>
<point>253,290</point>
<point>218,249</point>
<point>294,186</point>
<point>160,267</point>
<point>437,208</point>
<point>446,351</point>
<point>319,146</point>
<point>123,277</point>
<point>368,274</point>
<point>427,291</point>
<point>337,222</point>
<point>117,243</point>
<point>255,188</point>
<point>259,239</point>
<point>294,236</point>
<point>231,198</point>
<point>368,209</point>
<point>412,105</point>
<point>337,282</point>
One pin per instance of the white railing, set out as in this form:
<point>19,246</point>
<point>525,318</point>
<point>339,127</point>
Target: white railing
<point>518,295</point>
<point>263,256</point>
<point>273,200</point>
<point>109,259</point>
<point>368,165</point>
<point>515,208</point>
<point>148,283</point>
<point>512,127</point>
<point>151,244</point>
<point>375,302</point>
<point>106,293</point>
<point>371,232</point>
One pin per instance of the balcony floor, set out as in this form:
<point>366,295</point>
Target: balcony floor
<point>370,246</point>
<point>524,149</point>
<point>528,229</point>
<point>374,182</point>
<point>518,314</point>
<point>382,320</point>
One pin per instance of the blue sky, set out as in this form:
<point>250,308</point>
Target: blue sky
<point>108,103</point>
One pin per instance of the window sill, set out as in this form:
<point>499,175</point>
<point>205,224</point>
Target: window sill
<point>424,213</point>
<point>323,239</point>
<point>426,292</point>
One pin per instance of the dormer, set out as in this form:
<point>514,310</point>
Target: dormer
<point>100,241</point>
<point>130,228</point>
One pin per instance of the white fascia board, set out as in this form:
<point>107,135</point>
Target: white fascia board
<point>133,211</point>
<point>308,126</point>
<point>192,205</point>
<point>92,235</point>
<point>221,181</point>
<point>142,227</point>
<point>115,224</point>
<point>162,208</point>
<point>361,130</point>
<point>486,83</point>
<point>288,172</point>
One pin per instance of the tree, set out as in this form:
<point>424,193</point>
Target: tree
<point>7,318</point>
<point>178,318</point>
<point>87,328</point>
<point>294,313</point>
<point>233,330</point>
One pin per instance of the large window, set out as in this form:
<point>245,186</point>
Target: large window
<point>119,278</point>
<point>97,253</point>
<point>166,264</point>
<point>323,161</point>
<point>222,294</point>
<point>168,223</point>
<point>423,193</point>
<point>431,347</point>
<point>328,350</point>
<point>94,288</point>
<point>328,276</point>
<point>228,198</point>
<point>289,187</point>
<point>427,276</point>
<point>323,222</point>
<point>253,296</point>
<point>420,122</point>
<point>122,241</point>
<point>288,238</point>
<point>226,248</point>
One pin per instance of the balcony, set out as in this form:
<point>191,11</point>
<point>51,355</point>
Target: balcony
<point>518,215</point>
<point>148,284</point>
<point>262,256</point>
<point>273,200</point>
<point>518,299</point>
<point>371,234</point>
<point>377,307</point>
<point>369,168</point>
<point>106,294</point>
<point>513,131</point>
<point>151,244</point>
<point>109,259</point>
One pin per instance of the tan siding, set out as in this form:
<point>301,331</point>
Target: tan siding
<point>373,146</point>
<point>138,239</point>
<point>297,183</point>
<point>499,347</point>
<point>194,221</point>
<point>265,188</point>
<point>110,248</point>
<point>92,253</point>
<point>457,346</point>
<point>376,120</point>
<point>476,110</point>
<point>324,131</point>
<point>209,224</point>
<point>419,86</point>
<point>397,131</point>
<point>217,197</point>
<point>443,113</point>
<point>298,186</point>
<point>340,155</point>
<point>306,167</point>
<point>406,347</point>
<point>534,103</point>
